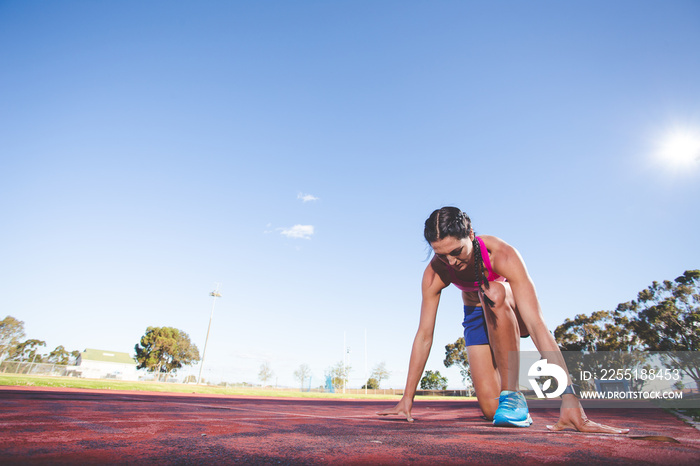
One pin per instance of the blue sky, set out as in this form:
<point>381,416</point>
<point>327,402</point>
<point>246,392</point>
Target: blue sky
<point>151,149</point>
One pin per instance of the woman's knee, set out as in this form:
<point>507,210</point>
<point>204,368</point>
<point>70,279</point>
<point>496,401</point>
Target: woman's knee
<point>485,378</point>
<point>488,406</point>
<point>498,295</point>
<point>487,392</point>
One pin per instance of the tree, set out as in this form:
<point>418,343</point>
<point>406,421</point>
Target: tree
<point>433,381</point>
<point>666,317</point>
<point>598,343</point>
<point>379,373</point>
<point>456,354</point>
<point>165,349</point>
<point>372,384</point>
<point>11,332</point>
<point>601,331</point>
<point>265,373</point>
<point>339,374</point>
<point>27,351</point>
<point>59,356</point>
<point>301,374</point>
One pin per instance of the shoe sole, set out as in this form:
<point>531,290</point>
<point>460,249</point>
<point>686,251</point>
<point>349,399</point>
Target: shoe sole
<point>508,423</point>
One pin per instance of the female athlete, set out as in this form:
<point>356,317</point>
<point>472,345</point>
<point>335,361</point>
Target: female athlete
<point>500,306</point>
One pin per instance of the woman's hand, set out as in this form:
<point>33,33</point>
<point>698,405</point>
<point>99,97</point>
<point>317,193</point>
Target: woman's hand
<point>403,408</point>
<point>572,416</point>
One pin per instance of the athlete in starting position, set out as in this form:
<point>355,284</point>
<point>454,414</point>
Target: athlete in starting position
<point>500,306</point>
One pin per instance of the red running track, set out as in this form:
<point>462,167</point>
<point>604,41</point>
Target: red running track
<point>70,426</point>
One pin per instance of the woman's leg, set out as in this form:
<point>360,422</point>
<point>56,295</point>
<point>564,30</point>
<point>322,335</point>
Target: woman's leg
<point>485,377</point>
<point>504,327</point>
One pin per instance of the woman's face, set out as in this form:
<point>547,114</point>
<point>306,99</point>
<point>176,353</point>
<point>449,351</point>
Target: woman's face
<point>453,251</point>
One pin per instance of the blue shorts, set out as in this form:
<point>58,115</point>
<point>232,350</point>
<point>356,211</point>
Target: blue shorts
<point>475,332</point>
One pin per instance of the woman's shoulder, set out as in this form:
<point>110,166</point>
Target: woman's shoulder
<point>437,269</point>
<point>501,253</point>
<point>494,243</point>
<point>436,266</point>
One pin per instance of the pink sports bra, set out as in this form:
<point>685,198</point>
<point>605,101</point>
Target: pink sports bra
<point>474,286</point>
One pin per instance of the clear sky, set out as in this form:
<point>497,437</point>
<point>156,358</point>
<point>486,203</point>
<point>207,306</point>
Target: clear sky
<point>292,151</point>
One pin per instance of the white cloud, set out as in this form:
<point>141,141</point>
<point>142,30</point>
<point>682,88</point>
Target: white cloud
<point>307,197</point>
<point>299,231</point>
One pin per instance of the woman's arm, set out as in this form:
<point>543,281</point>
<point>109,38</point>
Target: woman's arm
<point>431,288</point>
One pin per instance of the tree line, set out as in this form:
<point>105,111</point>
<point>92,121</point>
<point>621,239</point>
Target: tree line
<point>337,374</point>
<point>161,351</point>
<point>14,348</point>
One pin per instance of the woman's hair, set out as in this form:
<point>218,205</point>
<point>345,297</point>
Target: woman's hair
<point>450,221</point>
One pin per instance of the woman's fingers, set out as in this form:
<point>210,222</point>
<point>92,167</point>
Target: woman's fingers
<point>558,427</point>
<point>396,411</point>
<point>590,426</point>
<point>587,426</point>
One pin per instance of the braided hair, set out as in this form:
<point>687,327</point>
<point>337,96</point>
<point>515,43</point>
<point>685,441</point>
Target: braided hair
<point>450,221</point>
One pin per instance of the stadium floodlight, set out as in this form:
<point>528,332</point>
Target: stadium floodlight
<point>215,294</point>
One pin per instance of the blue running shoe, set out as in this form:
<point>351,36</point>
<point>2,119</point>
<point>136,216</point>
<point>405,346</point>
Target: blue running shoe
<point>512,410</point>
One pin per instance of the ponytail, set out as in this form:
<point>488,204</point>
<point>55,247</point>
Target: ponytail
<point>481,275</point>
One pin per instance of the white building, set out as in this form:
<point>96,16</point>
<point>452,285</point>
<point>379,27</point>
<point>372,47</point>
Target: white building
<point>99,364</point>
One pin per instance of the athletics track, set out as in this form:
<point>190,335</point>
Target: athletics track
<point>72,426</point>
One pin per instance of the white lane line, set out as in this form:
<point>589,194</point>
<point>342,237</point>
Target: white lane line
<point>287,414</point>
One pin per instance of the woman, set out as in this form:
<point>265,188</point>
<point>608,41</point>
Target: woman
<point>500,306</point>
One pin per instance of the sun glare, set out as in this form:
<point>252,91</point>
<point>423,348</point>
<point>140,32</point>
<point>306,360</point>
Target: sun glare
<point>680,149</point>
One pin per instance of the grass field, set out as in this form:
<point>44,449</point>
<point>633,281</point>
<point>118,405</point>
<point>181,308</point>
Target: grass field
<point>71,382</point>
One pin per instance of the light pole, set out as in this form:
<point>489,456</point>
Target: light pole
<point>346,351</point>
<point>215,294</point>
<point>366,379</point>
